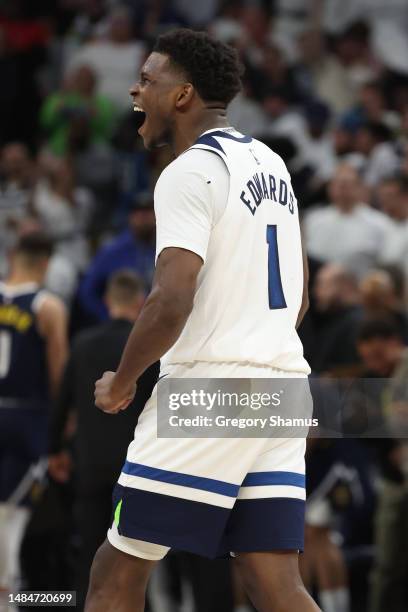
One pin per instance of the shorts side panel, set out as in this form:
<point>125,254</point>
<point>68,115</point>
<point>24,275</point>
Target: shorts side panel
<point>170,521</point>
<point>265,525</point>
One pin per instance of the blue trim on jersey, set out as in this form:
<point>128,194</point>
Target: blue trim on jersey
<point>259,479</point>
<point>222,134</point>
<point>210,140</point>
<point>184,480</point>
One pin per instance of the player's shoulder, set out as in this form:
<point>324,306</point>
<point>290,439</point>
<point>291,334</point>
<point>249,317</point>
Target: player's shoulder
<point>194,162</point>
<point>47,304</point>
<point>272,156</point>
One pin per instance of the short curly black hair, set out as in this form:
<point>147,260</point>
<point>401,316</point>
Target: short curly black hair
<point>210,65</point>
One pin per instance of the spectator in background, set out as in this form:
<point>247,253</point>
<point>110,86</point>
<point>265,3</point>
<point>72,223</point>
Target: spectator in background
<point>84,21</point>
<point>380,346</point>
<point>323,566</point>
<point>33,339</point>
<point>322,72</point>
<point>353,50</point>
<point>382,296</point>
<point>273,72</point>
<point>76,99</point>
<point>246,114</point>
<point>390,572</point>
<point>95,169</point>
<point>17,180</point>
<point>306,128</point>
<point>115,60</point>
<point>151,17</point>
<point>64,209</point>
<point>380,161</point>
<point>383,354</point>
<point>347,231</point>
<point>134,249</point>
<point>227,27</point>
<point>392,197</point>
<point>283,120</point>
<point>343,136</point>
<point>336,318</point>
<point>194,15</point>
<point>100,442</point>
<point>255,21</point>
<point>372,107</point>
<point>62,276</point>
<point>402,143</point>
<point>318,151</point>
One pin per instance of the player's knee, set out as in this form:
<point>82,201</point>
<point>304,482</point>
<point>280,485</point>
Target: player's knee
<point>100,577</point>
<point>279,576</point>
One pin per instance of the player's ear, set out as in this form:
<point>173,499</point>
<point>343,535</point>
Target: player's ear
<point>184,95</point>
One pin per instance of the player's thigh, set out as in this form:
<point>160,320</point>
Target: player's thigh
<point>114,569</point>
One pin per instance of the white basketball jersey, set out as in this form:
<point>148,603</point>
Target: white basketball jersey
<point>249,290</point>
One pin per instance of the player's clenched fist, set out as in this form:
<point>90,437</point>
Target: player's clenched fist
<point>106,396</point>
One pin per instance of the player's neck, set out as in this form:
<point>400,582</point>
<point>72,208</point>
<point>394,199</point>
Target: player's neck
<point>21,277</point>
<point>187,132</point>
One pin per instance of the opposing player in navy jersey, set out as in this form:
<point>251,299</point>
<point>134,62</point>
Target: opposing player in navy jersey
<point>228,294</point>
<point>33,349</point>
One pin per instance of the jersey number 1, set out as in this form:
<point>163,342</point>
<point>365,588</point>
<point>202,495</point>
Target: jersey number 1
<point>275,291</point>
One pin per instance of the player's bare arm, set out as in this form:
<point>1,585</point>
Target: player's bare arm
<point>157,328</point>
<point>52,325</point>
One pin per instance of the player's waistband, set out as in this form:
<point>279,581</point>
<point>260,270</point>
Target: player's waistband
<point>227,367</point>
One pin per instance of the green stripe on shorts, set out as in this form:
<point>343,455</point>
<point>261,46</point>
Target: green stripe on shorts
<point>117,513</point>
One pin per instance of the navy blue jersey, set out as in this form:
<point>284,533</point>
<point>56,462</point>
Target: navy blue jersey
<point>23,366</point>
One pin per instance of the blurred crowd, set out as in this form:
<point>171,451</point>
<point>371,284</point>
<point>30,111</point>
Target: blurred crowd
<point>325,86</point>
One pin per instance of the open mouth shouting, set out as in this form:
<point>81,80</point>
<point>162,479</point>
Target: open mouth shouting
<point>138,109</point>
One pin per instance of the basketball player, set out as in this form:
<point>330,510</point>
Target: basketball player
<point>226,300</point>
<point>33,348</point>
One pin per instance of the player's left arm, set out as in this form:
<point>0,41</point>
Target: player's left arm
<point>305,295</point>
<point>157,328</point>
<point>52,321</point>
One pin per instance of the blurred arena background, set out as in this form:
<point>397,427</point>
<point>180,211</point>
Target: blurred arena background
<point>326,86</point>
